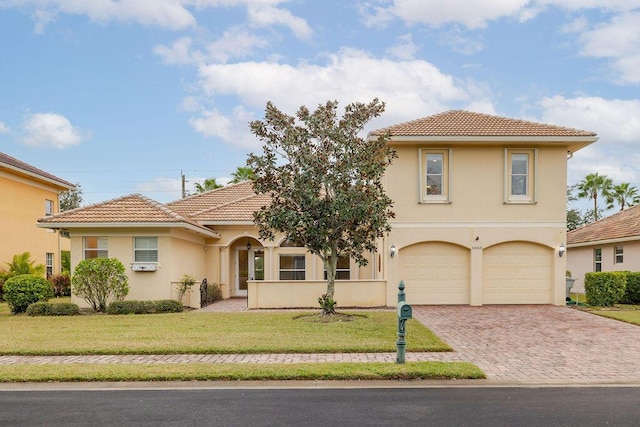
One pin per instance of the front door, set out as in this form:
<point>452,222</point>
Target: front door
<point>250,266</point>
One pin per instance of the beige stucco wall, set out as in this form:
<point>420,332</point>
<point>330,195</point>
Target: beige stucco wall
<point>580,260</point>
<point>476,216</point>
<point>298,294</point>
<point>179,253</point>
<point>23,202</point>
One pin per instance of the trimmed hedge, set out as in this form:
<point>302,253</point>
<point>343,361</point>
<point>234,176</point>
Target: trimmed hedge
<point>632,293</point>
<point>24,289</point>
<point>605,288</point>
<point>56,309</point>
<point>144,307</point>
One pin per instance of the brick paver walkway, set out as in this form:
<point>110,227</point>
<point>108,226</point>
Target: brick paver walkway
<point>515,344</point>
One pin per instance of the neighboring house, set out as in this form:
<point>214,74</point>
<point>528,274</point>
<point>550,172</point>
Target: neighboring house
<point>28,193</point>
<point>479,202</point>
<point>610,244</point>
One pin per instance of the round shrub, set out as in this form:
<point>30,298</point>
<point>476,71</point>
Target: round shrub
<point>39,309</point>
<point>25,289</point>
<point>99,280</point>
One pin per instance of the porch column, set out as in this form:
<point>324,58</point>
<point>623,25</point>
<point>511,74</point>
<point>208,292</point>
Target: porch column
<point>269,266</point>
<point>224,271</point>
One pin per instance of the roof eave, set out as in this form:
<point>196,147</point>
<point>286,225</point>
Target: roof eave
<point>579,141</point>
<point>603,242</point>
<point>76,225</point>
<point>63,185</point>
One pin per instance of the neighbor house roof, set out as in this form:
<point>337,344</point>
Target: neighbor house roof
<point>17,166</point>
<point>197,203</point>
<point>134,211</point>
<point>624,225</point>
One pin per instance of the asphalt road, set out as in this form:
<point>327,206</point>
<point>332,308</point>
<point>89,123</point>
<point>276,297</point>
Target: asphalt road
<point>576,406</point>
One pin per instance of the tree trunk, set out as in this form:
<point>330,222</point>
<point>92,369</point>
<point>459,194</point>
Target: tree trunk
<point>327,302</point>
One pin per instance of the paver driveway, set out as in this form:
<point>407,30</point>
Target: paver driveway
<point>538,343</point>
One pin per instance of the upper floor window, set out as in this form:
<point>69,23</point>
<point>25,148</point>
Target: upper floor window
<point>520,180</point>
<point>48,207</point>
<point>95,247</point>
<point>145,249</point>
<point>292,267</point>
<point>618,255</point>
<point>597,259</point>
<point>434,175</point>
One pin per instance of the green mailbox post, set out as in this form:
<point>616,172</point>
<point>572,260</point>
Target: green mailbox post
<point>405,312</point>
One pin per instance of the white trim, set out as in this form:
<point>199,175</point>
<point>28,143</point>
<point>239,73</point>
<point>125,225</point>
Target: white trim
<point>604,242</point>
<point>565,140</point>
<point>38,177</point>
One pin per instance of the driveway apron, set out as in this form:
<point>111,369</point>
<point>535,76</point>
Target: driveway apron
<point>538,343</point>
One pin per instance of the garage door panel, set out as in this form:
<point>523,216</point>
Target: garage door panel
<point>517,273</point>
<point>435,273</point>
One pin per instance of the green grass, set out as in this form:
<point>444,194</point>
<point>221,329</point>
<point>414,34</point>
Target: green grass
<point>244,372</point>
<point>622,312</point>
<point>190,332</point>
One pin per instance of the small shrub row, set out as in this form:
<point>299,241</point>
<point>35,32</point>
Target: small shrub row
<point>55,309</point>
<point>144,307</point>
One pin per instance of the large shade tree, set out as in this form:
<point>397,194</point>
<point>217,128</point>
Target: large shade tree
<point>593,186</point>
<point>324,180</point>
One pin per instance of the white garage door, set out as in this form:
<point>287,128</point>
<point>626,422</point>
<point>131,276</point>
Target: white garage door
<point>517,273</point>
<point>435,273</point>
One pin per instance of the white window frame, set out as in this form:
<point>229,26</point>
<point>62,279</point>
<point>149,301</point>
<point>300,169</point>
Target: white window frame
<point>148,250</point>
<point>597,259</point>
<point>49,207</point>
<point>49,264</point>
<point>445,196</point>
<point>618,254</point>
<point>532,176</point>
<point>101,249</point>
<point>295,270</point>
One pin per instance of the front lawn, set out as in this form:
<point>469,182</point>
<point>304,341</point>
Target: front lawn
<point>191,332</point>
<point>623,312</point>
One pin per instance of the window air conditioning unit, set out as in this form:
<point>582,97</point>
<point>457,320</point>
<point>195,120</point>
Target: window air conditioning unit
<point>142,266</point>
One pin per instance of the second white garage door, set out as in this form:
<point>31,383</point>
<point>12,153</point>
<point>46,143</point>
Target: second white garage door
<point>435,273</point>
<point>517,273</point>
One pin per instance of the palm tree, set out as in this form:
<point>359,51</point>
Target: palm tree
<point>242,173</point>
<point>625,195</point>
<point>592,186</point>
<point>208,184</point>
<point>23,264</point>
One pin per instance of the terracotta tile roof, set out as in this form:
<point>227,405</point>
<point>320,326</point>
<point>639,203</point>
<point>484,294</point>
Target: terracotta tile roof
<point>13,163</point>
<point>622,225</point>
<point>134,208</point>
<point>192,205</point>
<point>465,123</point>
<point>238,210</point>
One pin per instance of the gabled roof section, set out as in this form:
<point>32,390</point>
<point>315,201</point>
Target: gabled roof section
<point>134,210</point>
<point>197,203</point>
<point>237,211</point>
<point>466,123</point>
<point>15,165</point>
<point>624,225</point>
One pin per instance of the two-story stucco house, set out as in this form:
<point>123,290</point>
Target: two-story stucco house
<point>28,193</point>
<point>480,208</point>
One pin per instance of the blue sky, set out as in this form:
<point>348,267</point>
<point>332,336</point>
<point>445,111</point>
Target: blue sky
<point>123,96</point>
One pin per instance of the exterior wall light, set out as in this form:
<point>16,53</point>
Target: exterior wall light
<point>249,245</point>
<point>561,250</point>
<point>393,251</point>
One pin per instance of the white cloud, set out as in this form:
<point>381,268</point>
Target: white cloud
<point>405,48</point>
<point>618,40</point>
<point>179,52</point>
<point>51,130</point>
<point>161,189</point>
<point>234,43</point>
<point>265,15</point>
<point>233,129</point>
<point>617,123</point>
<point>3,128</point>
<point>460,43</point>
